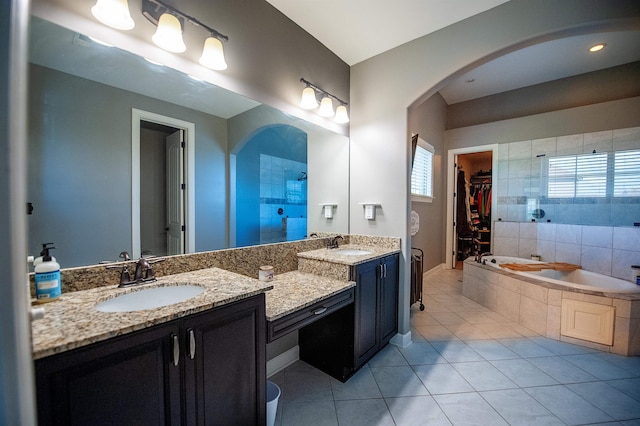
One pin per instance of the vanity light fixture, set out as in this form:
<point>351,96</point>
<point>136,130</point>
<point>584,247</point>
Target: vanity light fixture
<point>326,107</point>
<point>170,22</point>
<point>309,100</point>
<point>213,54</point>
<point>114,14</point>
<point>341,115</point>
<point>168,35</point>
<point>597,47</point>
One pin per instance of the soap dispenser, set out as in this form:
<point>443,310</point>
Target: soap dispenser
<point>43,252</point>
<point>47,277</point>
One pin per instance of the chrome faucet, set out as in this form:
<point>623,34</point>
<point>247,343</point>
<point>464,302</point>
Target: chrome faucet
<point>479,256</point>
<point>144,271</point>
<point>333,243</point>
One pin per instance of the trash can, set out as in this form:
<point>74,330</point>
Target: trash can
<point>273,394</point>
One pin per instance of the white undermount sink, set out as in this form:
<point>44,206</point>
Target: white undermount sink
<point>352,252</point>
<point>150,298</point>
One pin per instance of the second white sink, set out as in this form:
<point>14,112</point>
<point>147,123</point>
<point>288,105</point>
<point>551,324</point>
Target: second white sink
<point>150,298</point>
<point>352,252</point>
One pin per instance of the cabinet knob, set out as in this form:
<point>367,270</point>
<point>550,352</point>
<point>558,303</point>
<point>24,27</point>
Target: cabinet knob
<point>176,350</point>
<point>192,344</point>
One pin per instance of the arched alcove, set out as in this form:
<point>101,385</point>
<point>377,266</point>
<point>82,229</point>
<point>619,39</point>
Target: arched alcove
<point>271,186</point>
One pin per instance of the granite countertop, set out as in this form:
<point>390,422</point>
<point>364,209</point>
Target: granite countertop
<point>72,321</point>
<point>334,256</point>
<point>295,290</point>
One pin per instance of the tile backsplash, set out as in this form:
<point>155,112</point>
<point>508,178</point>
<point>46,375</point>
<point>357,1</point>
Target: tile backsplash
<point>606,250</point>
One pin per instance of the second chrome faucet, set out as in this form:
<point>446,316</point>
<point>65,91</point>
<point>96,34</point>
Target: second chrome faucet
<point>333,243</point>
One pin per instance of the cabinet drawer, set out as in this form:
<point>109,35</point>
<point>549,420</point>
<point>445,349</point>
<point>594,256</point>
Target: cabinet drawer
<point>307,315</point>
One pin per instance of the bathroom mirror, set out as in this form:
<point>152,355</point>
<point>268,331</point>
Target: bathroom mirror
<point>247,166</point>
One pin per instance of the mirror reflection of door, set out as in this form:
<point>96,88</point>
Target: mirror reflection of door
<point>161,193</point>
<point>174,193</point>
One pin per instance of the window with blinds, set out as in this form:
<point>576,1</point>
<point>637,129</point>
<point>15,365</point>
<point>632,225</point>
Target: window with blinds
<point>422,172</point>
<point>626,179</point>
<point>595,175</point>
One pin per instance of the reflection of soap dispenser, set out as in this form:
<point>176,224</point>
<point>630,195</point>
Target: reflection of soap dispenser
<point>48,283</point>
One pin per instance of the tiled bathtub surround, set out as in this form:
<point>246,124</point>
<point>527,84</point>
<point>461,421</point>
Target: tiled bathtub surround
<point>244,260</point>
<point>605,250</point>
<point>519,183</point>
<point>537,305</point>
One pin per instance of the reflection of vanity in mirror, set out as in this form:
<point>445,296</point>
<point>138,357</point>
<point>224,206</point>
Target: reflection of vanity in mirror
<point>103,177</point>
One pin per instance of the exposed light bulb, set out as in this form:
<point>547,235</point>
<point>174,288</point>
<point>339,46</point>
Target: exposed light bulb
<point>326,107</point>
<point>308,100</point>
<point>113,13</point>
<point>213,54</point>
<point>341,115</point>
<point>168,35</point>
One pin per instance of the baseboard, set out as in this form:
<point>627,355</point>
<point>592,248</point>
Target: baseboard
<point>282,361</point>
<point>401,340</point>
<point>435,269</point>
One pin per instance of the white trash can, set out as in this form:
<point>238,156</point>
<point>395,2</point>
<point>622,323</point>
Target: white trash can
<point>273,394</point>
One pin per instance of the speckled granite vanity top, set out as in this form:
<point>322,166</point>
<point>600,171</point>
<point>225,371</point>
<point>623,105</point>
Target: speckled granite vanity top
<point>334,256</point>
<point>295,290</point>
<point>72,321</point>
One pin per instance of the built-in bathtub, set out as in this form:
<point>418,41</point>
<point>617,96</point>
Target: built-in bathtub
<point>578,278</point>
<point>578,306</point>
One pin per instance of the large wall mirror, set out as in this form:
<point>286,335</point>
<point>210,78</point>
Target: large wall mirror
<point>105,169</point>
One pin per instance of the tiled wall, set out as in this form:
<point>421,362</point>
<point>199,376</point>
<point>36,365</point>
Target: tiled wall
<point>520,187</point>
<point>606,250</point>
<point>280,188</point>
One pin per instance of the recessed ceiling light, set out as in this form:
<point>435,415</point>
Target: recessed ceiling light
<point>597,47</point>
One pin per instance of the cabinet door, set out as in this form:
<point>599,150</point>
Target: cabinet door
<point>127,380</point>
<point>366,335</point>
<point>225,373</point>
<point>389,300</point>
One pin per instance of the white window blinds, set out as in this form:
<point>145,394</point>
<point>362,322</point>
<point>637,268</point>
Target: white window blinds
<point>583,175</point>
<point>626,181</point>
<point>422,172</point>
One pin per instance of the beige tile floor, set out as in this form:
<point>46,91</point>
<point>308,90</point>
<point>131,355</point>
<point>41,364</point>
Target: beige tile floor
<point>448,315</point>
<point>467,366</point>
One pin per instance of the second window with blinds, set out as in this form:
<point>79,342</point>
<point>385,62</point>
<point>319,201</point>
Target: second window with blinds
<point>422,172</point>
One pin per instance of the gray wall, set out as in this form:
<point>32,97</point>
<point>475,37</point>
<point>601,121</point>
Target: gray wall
<point>416,70</point>
<point>595,87</point>
<point>618,114</point>
<point>428,121</point>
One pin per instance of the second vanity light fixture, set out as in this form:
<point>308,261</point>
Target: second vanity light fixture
<point>169,22</point>
<point>309,100</point>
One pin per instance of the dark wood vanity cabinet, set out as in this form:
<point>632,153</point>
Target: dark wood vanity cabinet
<point>376,313</point>
<point>344,341</point>
<point>208,368</point>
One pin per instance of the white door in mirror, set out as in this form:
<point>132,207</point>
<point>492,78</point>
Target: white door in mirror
<point>150,298</point>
